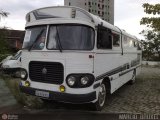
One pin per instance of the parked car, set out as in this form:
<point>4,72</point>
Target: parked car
<point>12,65</point>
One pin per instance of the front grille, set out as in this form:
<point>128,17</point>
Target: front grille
<point>46,72</point>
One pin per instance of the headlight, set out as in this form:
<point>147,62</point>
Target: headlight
<point>5,66</point>
<point>71,80</point>
<point>80,80</point>
<point>84,80</point>
<point>24,74</point>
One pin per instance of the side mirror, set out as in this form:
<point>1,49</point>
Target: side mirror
<point>20,59</point>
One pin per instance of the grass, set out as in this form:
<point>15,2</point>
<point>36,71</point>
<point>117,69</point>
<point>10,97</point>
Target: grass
<point>23,99</point>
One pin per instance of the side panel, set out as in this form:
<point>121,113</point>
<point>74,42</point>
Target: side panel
<point>116,66</point>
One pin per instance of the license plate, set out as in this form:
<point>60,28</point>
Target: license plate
<point>42,94</point>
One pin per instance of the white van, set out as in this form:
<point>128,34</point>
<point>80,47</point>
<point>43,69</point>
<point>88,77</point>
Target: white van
<point>71,55</point>
<point>4,60</point>
<point>13,64</point>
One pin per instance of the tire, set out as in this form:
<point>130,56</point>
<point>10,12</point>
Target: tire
<point>100,103</point>
<point>133,80</point>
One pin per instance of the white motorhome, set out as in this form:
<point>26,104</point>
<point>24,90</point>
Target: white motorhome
<point>70,55</point>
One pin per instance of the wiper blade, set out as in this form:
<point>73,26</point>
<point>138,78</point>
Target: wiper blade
<point>58,40</point>
<point>38,36</point>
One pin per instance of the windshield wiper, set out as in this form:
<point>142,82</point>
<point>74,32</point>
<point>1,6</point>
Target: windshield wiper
<point>58,40</point>
<point>38,36</point>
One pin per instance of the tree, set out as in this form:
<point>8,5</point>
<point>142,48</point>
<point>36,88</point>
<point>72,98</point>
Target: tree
<point>152,22</point>
<point>3,14</point>
<point>3,31</point>
<point>4,47</point>
<point>151,44</point>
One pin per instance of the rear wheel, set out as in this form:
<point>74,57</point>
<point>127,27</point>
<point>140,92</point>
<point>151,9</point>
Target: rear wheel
<point>101,98</point>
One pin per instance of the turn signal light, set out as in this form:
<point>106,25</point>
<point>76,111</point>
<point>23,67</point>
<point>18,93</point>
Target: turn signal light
<point>27,83</point>
<point>62,88</point>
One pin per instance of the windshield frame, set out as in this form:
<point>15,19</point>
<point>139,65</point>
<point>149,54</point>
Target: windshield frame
<point>16,56</point>
<point>72,24</point>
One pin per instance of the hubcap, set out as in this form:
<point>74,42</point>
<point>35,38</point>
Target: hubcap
<point>102,94</point>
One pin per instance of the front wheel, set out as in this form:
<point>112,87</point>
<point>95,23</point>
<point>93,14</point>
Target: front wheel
<point>101,98</point>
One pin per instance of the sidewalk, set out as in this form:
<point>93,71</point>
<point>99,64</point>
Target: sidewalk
<point>6,98</point>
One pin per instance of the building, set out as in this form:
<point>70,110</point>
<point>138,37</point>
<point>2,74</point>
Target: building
<point>102,8</point>
<point>14,38</point>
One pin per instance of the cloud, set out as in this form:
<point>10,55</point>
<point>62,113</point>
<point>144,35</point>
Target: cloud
<point>128,13</point>
<point>19,8</point>
<point>14,5</point>
<point>125,9</point>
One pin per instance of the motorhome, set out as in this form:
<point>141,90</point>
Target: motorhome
<point>70,55</point>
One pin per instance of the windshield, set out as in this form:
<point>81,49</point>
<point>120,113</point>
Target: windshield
<point>35,38</point>
<point>16,56</point>
<point>71,37</point>
<point>60,37</point>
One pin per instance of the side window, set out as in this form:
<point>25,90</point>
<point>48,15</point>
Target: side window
<point>104,39</point>
<point>128,42</point>
<point>116,40</point>
<point>125,42</point>
<point>135,44</point>
<point>139,46</point>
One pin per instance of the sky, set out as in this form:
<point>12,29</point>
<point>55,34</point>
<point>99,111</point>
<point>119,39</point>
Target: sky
<point>128,13</point>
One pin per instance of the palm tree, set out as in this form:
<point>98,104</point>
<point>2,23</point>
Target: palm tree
<point>3,14</point>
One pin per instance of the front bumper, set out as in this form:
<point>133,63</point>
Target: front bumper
<point>63,97</point>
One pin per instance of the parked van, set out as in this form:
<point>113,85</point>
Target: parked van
<point>13,64</point>
<point>4,60</point>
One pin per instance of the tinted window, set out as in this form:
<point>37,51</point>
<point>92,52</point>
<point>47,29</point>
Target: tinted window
<point>104,40</point>
<point>116,40</point>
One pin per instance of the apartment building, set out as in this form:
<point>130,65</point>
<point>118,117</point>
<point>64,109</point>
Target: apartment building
<point>102,8</point>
